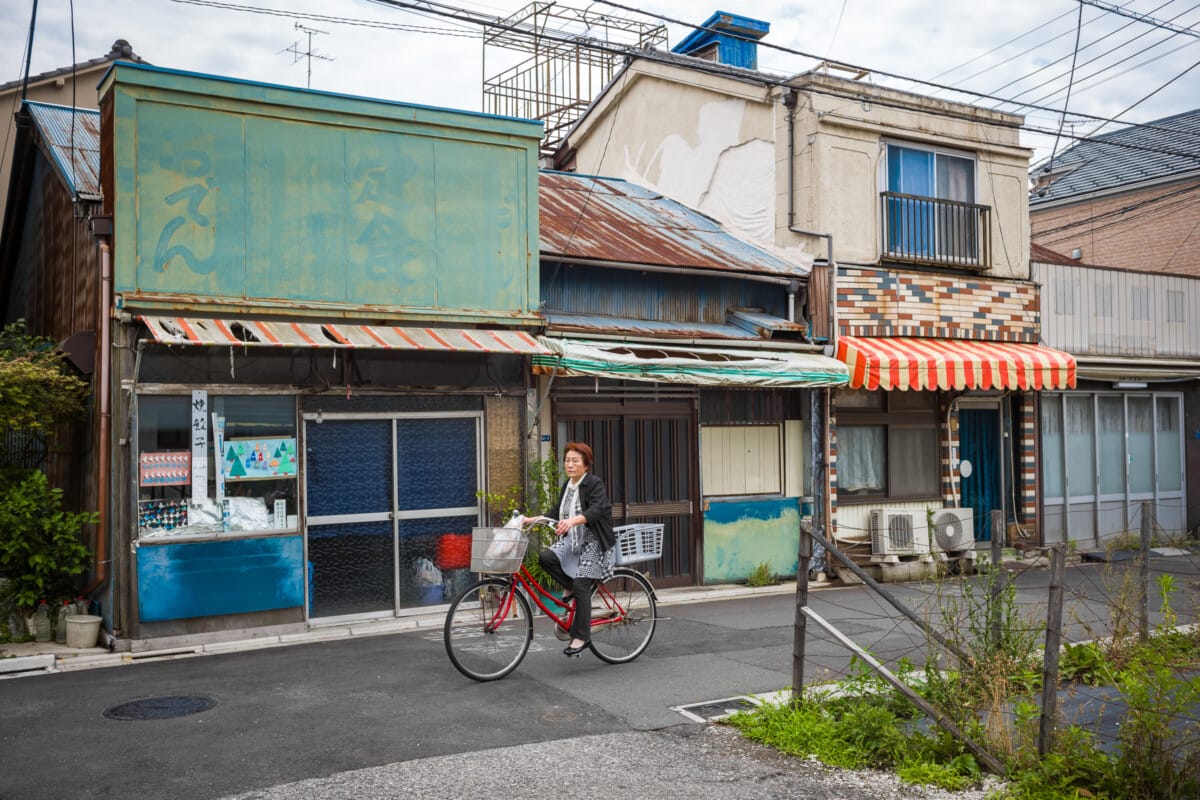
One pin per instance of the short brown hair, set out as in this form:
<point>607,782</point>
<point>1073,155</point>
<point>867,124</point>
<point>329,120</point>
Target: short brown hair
<point>582,449</point>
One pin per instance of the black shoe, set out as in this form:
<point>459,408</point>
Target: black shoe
<point>573,652</point>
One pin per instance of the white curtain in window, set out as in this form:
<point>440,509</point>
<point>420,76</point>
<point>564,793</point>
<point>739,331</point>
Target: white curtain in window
<point>1112,444</point>
<point>1170,451</point>
<point>1141,445</point>
<point>1081,446</point>
<point>1052,447</point>
<point>860,458</point>
<point>955,178</point>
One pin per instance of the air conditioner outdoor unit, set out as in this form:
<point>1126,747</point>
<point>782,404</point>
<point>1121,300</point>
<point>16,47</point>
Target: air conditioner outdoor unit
<point>896,533</point>
<point>953,529</point>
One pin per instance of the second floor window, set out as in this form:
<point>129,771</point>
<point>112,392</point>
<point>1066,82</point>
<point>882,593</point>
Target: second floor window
<point>929,206</point>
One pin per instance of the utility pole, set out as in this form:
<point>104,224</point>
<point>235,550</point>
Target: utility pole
<point>309,53</point>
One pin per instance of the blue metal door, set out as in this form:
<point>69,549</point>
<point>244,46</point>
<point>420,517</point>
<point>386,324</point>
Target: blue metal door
<point>349,487</point>
<point>979,443</point>
<point>380,494</point>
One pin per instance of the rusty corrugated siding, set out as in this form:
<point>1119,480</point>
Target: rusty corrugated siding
<point>72,136</point>
<point>606,219</point>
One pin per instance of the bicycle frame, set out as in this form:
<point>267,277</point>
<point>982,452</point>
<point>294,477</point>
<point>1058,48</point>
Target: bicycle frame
<point>535,592</point>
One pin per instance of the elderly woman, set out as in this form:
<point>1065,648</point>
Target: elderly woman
<point>584,552</point>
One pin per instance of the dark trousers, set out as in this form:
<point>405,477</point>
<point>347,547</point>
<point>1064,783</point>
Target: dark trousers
<point>581,588</point>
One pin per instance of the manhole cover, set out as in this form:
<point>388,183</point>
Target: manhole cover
<point>716,709</point>
<point>161,707</point>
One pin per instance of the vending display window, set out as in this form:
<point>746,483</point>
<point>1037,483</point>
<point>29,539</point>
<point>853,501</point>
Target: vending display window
<point>216,464</point>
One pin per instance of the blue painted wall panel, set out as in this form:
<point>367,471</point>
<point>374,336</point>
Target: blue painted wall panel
<point>740,534</point>
<point>201,579</point>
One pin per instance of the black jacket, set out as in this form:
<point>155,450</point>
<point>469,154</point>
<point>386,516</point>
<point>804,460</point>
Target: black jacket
<point>595,507</point>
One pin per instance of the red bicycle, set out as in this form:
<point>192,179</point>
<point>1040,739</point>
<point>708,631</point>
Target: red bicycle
<point>489,627</point>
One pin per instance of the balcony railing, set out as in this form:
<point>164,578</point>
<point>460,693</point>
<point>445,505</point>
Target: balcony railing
<point>933,231</point>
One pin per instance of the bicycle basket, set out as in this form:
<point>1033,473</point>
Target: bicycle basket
<point>642,542</point>
<point>497,549</point>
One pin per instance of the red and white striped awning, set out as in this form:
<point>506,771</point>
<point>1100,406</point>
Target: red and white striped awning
<point>926,364</point>
<point>264,333</point>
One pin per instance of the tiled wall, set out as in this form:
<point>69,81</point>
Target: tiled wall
<point>882,302</point>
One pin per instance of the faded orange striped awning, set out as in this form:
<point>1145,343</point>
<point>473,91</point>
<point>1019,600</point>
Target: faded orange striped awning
<point>274,333</point>
<point>926,364</point>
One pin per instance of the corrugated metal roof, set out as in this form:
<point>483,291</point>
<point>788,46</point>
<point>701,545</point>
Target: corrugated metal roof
<point>1154,151</point>
<point>608,219</point>
<point>72,135</point>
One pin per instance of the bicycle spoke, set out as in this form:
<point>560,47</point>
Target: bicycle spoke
<point>623,617</point>
<point>488,630</point>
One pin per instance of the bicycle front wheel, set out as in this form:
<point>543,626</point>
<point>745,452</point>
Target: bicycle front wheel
<point>623,616</point>
<point>488,630</point>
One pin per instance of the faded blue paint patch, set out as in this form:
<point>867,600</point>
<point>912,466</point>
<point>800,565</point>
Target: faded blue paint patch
<point>725,511</point>
<point>201,579</point>
<point>741,534</point>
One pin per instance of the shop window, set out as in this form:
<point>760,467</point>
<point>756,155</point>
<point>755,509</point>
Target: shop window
<point>181,470</point>
<point>887,446</point>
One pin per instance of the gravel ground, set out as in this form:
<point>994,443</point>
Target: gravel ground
<point>692,762</point>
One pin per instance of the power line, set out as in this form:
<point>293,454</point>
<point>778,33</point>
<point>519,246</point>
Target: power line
<point>1067,103</point>
<point>573,40</point>
<point>817,58</point>
<point>1112,9</point>
<point>1086,63</point>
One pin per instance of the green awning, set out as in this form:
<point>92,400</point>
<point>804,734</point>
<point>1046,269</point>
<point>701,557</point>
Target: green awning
<point>705,366</point>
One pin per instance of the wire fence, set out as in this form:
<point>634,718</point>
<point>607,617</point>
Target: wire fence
<point>1032,631</point>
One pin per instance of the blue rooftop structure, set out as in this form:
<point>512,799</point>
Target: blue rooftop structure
<point>734,37</point>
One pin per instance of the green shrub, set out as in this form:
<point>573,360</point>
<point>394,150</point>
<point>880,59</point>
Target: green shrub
<point>40,551</point>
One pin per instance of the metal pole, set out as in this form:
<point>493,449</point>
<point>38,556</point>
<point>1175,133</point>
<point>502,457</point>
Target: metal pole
<point>986,758</point>
<point>998,579</point>
<point>817,429</point>
<point>1144,573</point>
<point>886,595</point>
<point>800,625</point>
<point>1058,568</point>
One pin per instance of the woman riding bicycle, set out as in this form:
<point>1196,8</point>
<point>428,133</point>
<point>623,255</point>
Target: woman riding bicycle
<point>584,553</point>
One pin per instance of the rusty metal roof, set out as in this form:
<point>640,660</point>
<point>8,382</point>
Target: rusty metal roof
<point>607,219</point>
<point>72,138</point>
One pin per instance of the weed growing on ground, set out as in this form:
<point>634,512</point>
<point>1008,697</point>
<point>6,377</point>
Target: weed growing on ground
<point>762,575</point>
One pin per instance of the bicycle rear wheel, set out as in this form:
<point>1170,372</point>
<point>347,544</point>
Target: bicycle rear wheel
<point>623,616</point>
<point>485,642</point>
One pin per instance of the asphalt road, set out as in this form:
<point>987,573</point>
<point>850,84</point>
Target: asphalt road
<point>394,705</point>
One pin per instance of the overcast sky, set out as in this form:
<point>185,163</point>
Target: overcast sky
<point>1012,49</point>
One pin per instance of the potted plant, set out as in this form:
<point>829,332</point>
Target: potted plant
<point>40,550</point>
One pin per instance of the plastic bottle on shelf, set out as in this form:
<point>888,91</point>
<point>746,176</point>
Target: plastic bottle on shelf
<point>41,623</point>
<point>60,629</point>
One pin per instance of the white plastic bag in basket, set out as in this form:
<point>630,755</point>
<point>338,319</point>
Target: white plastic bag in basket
<point>506,542</point>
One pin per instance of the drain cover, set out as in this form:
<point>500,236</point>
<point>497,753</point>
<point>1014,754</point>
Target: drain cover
<point>716,709</point>
<point>161,707</point>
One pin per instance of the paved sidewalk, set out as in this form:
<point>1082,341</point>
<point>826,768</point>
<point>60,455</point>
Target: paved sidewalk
<point>39,658</point>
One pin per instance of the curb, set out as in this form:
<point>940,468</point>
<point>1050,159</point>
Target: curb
<point>46,663</point>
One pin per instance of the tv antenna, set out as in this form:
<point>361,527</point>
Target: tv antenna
<point>309,53</point>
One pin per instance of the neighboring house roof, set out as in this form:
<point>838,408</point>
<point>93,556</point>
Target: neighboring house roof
<point>587,218</point>
<point>1044,255</point>
<point>121,50</point>
<point>72,138</point>
<point>1152,153</point>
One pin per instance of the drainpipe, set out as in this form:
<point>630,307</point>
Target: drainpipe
<point>822,497</point>
<point>790,99</point>
<point>102,229</point>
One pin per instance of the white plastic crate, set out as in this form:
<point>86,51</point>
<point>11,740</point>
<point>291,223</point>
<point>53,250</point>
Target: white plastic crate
<point>497,550</point>
<point>640,542</point>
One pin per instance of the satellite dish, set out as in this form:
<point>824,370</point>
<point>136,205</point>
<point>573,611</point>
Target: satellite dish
<point>965,468</point>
